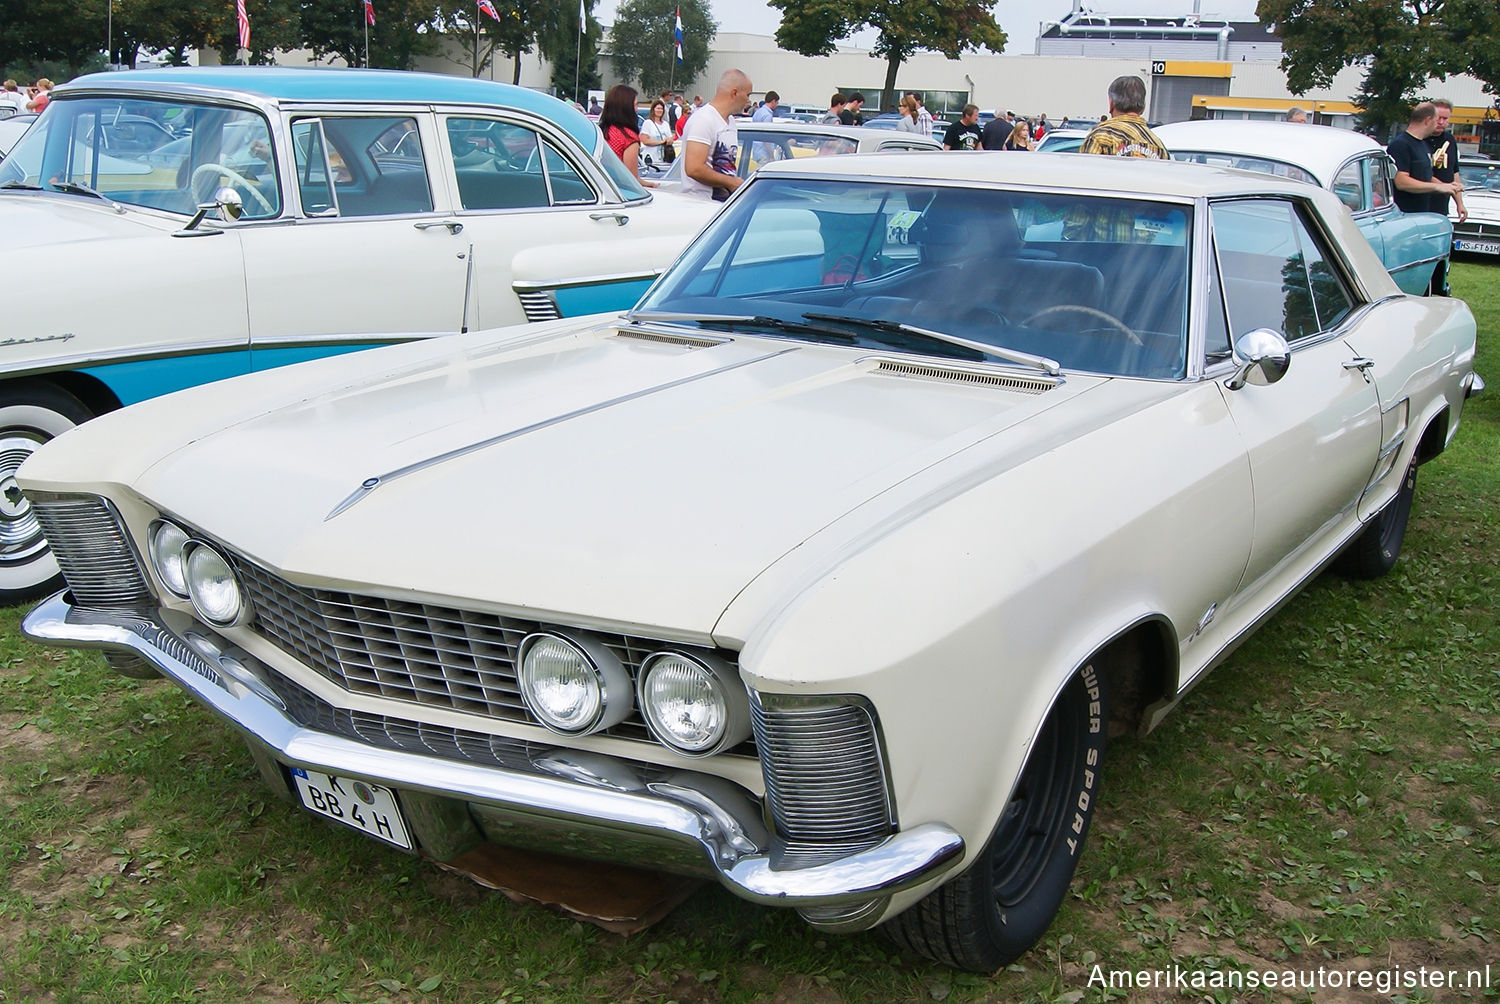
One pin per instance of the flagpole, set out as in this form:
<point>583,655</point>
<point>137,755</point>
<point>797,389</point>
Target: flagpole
<point>578,55</point>
<point>366,20</point>
<point>109,36</point>
<point>476,38</point>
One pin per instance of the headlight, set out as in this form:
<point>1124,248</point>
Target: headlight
<point>167,542</point>
<point>573,686</point>
<point>211,585</point>
<point>694,704</point>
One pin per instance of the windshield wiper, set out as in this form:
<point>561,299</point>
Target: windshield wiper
<point>21,185</point>
<point>748,321</point>
<point>74,188</point>
<point>1049,366</point>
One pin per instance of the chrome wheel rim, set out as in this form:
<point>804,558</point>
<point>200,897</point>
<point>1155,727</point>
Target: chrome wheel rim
<point>21,537</point>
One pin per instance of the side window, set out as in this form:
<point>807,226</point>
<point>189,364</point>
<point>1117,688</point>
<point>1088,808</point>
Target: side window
<point>504,166</point>
<point>375,162</point>
<point>1275,274</point>
<point>1349,185</point>
<point>1380,181</point>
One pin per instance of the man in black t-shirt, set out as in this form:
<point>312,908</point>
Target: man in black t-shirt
<point>1444,147</point>
<point>964,134</point>
<point>1414,185</point>
<point>851,113</point>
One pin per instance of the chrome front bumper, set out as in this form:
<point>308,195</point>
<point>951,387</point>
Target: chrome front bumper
<point>566,791</point>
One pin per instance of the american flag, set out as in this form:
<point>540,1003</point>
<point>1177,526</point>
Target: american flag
<point>244,19</point>
<point>488,7</point>
<point>370,12</point>
<point>677,34</point>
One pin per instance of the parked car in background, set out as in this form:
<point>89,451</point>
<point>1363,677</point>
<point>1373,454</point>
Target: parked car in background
<point>764,143</point>
<point>345,209</point>
<point>825,572</point>
<point>1349,164</point>
<point>1480,233</point>
<point>1062,141</point>
<point>12,129</point>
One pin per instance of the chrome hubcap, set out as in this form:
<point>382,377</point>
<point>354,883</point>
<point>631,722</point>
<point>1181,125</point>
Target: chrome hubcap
<point>20,533</point>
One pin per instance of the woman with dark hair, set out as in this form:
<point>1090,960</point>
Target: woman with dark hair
<point>621,127</point>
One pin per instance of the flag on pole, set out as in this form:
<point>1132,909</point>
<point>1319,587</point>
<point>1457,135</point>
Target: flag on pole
<point>244,19</point>
<point>488,7</point>
<point>677,34</point>
<point>370,12</point>
<point>583,18</point>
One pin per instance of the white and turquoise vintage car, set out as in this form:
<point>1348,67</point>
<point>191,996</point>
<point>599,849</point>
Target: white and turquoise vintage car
<point>1349,164</point>
<point>826,571</point>
<point>348,209</point>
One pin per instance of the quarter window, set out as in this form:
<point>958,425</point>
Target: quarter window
<point>1349,185</point>
<point>1275,272</point>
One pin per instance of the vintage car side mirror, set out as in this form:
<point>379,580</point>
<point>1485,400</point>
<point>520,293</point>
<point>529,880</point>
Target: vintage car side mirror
<point>226,202</point>
<point>1263,357</point>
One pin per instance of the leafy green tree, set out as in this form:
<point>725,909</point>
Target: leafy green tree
<point>642,42</point>
<point>37,37</point>
<point>403,30</point>
<point>952,27</point>
<point>574,61</point>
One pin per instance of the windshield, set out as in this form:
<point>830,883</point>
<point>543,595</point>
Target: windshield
<point>157,154</point>
<point>1094,283</point>
<point>1480,175</point>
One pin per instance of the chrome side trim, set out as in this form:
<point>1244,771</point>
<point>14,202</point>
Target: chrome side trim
<point>372,483</point>
<point>526,286</point>
<point>710,825</point>
<point>1419,261</point>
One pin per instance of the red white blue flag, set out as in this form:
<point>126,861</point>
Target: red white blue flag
<point>677,34</point>
<point>370,12</point>
<point>488,7</point>
<point>244,20</point>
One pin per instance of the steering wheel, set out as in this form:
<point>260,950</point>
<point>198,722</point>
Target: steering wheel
<point>233,175</point>
<point>1096,314</point>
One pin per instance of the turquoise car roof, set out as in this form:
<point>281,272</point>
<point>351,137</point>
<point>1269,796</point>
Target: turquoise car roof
<point>291,84</point>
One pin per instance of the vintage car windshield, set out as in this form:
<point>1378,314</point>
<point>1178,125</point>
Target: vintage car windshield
<point>1095,283</point>
<point>153,153</point>
<point>1241,162</point>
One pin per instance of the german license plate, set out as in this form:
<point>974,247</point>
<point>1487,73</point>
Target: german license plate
<point>358,804</point>
<point>1482,247</point>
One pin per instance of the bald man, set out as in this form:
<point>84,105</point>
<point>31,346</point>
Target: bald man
<point>710,142</point>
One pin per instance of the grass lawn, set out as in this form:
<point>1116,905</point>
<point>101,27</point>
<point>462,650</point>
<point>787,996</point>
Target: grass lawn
<point>1328,798</point>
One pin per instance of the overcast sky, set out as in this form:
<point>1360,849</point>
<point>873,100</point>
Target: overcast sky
<point>1019,18</point>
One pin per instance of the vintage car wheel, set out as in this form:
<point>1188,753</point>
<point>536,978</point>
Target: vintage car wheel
<point>30,415</point>
<point>1093,312</point>
<point>998,908</point>
<point>1375,550</point>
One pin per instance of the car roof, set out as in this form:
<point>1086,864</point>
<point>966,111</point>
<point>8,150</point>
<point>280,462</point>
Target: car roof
<point>1320,150</point>
<point>290,84</point>
<point>1130,176</point>
<point>802,128</point>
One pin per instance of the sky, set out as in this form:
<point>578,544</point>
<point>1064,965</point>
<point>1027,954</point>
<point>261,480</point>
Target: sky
<point>1019,18</point>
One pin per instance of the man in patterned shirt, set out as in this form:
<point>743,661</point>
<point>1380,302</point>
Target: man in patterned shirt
<point>1125,133</point>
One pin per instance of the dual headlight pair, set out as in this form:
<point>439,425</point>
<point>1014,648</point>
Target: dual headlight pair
<point>694,704</point>
<point>194,570</point>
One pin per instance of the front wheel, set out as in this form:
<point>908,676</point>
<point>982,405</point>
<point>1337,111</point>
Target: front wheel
<point>1375,550</point>
<point>30,415</point>
<point>1002,905</point>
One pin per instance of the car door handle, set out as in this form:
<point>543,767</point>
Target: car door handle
<point>1362,364</point>
<point>454,226</point>
<point>620,218</point>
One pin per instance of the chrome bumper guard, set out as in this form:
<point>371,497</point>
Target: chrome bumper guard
<point>729,838</point>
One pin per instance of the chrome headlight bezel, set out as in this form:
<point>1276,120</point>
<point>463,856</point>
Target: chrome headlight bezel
<point>162,556</point>
<point>217,612</point>
<point>612,697</point>
<point>722,682</point>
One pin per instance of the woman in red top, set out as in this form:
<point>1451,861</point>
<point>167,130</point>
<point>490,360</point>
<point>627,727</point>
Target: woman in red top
<point>621,126</point>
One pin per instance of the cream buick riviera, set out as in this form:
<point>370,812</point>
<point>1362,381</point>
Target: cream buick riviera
<point>826,571</point>
<point>197,223</point>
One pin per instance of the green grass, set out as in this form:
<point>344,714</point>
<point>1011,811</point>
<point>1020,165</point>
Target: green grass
<point>1328,797</point>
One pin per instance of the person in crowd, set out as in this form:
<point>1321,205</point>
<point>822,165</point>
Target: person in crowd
<point>657,136</point>
<point>1295,114</point>
<point>41,97</point>
<point>850,115</point>
<point>996,131</point>
<point>12,95</point>
<point>1415,186</point>
<point>697,101</point>
<point>619,124</point>
<point>1124,133</point>
<point>836,105</point>
<point>964,134</point>
<point>710,143</point>
<point>767,110</point>
<point>1444,148</point>
<point>924,117</point>
<point>1043,127</point>
<point>1019,139</point>
<point>594,108</point>
<point>908,120</point>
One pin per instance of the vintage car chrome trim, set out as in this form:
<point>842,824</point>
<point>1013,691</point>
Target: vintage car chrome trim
<point>371,483</point>
<point>539,285</point>
<point>1420,261</point>
<point>696,819</point>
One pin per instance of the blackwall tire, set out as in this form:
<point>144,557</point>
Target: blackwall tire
<point>1374,552</point>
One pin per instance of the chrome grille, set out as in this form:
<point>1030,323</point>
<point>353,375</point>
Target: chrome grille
<point>92,550</point>
<point>538,305</point>
<point>419,653</point>
<point>824,778</point>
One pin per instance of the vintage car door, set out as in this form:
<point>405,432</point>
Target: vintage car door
<point>371,227</point>
<point>1313,436</point>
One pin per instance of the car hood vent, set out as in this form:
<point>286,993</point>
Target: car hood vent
<point>690,341</point>
<point>925,371</point>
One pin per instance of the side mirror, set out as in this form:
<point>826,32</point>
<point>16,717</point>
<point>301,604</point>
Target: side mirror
<point>226,202</point>
<point>1263,356</point>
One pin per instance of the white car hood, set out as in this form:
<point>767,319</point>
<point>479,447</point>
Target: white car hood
<point>32,221</point>
<point>1481,206</point>
<point>634,481</point>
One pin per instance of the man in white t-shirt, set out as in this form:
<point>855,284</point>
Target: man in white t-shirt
<point>710,142</point>
<point>12,95</point>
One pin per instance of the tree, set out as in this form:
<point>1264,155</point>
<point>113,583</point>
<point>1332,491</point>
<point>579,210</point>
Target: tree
<point>575,61</point>
<point>952,27</point>
<point>642,46</point>
<point>403,30</point>
<point>51,32</point>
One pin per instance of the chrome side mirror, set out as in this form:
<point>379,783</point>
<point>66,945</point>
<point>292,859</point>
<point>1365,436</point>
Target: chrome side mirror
<point>226,202</point>
<point>1263,356</point>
